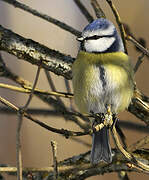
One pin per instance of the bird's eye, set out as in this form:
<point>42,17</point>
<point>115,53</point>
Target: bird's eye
<point>93,37</point>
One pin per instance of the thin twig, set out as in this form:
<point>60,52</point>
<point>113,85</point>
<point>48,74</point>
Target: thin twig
<point>46,112</point>
<point>47,99</point>
<point>140,109</point>
<point>139,144</point>
<point>70,167</point>
<point>119,22</point>
<point>33,88</point>
<point>98,11</point>
<point>52,86</point>
<point>27,90</point>
<point>67,84</point>
<point>140,95</point>
<point>8,104</point>
<point>43,16</point>
<point>128,156</point>
<point>99,169</point>
<point>143,49</point>
<point>139,62</point>
<point>61,103</point>
<point>18,146</point>
<point>19,125</point>
<point>84,11</point>
<point>50,81</point>
<point>54,152</point>
<point>64,132</point>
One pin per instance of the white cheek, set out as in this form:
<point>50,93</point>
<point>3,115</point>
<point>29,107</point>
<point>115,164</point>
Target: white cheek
<point>98,45</point>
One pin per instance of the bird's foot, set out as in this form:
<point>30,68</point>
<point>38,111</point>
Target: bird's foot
<point>101,120</point>
<point>97,124</point>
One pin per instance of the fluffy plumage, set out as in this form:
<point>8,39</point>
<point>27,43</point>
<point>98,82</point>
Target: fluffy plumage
<point>102,75</point>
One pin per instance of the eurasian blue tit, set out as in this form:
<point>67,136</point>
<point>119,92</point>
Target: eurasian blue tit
<point>102,77</point>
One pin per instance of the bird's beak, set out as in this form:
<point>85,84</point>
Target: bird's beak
<point>80,39</point>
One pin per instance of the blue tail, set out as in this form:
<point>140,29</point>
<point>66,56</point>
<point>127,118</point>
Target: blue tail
<point>101,150</point>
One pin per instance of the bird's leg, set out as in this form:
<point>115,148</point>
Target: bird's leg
<point>108,121</point>
<point>101,120</point>
<point>97,124</point>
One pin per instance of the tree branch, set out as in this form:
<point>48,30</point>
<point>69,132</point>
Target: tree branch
<point>140,109</point>
<point>34,12</point>
<point>138,45</point>
<point>98,11</point>
<point>64,132</point>
<point>84,11</point>
<point>35,53</point>
<point>36,91</point>
<point>118,20</point>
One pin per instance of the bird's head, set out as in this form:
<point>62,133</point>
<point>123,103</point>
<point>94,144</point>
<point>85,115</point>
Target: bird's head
<point>100,36</point>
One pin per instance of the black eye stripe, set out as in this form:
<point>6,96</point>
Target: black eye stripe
<point>97,37</point>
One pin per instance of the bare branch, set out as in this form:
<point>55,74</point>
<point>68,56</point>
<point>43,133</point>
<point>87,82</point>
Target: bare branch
<point>135,162</point>
<point>140,95</point>
<point>33,88</point>
<point>54,152</point>
<point>64,132</point>
<point>43,16</point>
<point>36,91</point>
<point>140,109</point>
<point>35,53</point>
<point>144,50</point>
<point>98,11</point>
<point>18,146</point>
<point>84,11</point>
<point>139,144</point>
<point>118,20</point>
<point>139,62</point>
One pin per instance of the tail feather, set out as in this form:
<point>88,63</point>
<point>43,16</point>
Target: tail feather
<point>101,150</point>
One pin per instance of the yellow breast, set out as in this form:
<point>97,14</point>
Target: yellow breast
<point>88,90</point>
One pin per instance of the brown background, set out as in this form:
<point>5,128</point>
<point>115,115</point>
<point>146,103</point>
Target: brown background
<point>36,141</point>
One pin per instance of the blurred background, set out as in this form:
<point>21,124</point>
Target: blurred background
<point>36,147</point>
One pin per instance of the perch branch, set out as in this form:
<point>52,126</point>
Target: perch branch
<point>135,107</point>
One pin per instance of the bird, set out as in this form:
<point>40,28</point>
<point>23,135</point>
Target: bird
<point>102,76</point>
